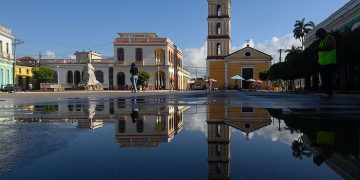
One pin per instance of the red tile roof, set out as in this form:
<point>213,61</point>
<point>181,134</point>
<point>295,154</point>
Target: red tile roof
<point>27,58</point>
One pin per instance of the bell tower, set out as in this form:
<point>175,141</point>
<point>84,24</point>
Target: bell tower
<point>218,40</point>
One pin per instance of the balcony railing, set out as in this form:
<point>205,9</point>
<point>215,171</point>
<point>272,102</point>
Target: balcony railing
<point>6,56</point>
<point>159,62</point>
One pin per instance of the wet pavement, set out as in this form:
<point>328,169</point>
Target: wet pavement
<point>199,135</point>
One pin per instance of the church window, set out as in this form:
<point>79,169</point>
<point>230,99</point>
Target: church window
<point>218,28</point>
<point>218,149</point>
<point>218,10</point>
<point>218,48</point>
<point>218,131</point>
<point>247,54</point>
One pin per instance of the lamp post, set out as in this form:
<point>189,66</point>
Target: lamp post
<point>16,42</point>
<point>58,74</point>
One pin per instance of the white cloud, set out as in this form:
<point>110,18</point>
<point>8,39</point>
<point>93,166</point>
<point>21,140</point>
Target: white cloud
<point>72,56</point>
<point>195,119</point>
<point>195,57</point>
<point>273,45</point>
<point>49,54</point>
<point>271,132</point>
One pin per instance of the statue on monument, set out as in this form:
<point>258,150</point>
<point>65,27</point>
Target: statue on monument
<point>89,81</point>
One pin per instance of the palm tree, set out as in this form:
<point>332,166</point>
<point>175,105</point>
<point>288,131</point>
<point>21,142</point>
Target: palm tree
<point>293,51</point>
<point>301,29</point>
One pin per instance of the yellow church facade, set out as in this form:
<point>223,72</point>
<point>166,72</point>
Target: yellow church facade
<point>220,62</point>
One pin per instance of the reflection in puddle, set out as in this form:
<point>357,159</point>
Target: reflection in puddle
<point>147,127</point>
<point>317,136</point>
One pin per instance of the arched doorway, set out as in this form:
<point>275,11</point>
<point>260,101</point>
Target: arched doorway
<point>160,57</point>
<point>121,80</point>
<point>99,76</point>
<point>160,80</point>
<point>70,78</point>
<point>20,82</point>
<point>77,77</point>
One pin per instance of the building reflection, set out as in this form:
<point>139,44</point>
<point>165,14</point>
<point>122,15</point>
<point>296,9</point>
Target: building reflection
<point>149,126</point>
<point>220,119</point>
<point>329,138</point>
<point>137,124</point>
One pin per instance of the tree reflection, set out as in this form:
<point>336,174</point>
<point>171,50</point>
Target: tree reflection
<point>299,150</point>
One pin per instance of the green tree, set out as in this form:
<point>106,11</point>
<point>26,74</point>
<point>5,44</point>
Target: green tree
<point>301,29</point>
<point>263,75</point>
<point>143,77</point>
<point>43,74</point>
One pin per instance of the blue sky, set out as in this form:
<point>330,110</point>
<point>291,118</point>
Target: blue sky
<point>65,26</point>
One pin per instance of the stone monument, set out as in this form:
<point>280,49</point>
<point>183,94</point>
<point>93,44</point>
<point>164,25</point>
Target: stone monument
<point>89,81</point>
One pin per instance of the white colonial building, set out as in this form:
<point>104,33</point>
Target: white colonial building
<point>6,57</point>
<point>69,71</point>
<point>158,56</point>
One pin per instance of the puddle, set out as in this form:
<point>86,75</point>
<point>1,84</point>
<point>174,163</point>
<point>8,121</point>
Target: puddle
<point>192,139</point>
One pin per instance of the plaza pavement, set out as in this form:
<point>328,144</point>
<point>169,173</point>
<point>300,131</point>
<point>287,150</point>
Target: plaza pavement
<point>243,99</point>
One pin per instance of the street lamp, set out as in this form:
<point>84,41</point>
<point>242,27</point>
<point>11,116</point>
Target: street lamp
<point>16,42</point>
<point>58,74</point>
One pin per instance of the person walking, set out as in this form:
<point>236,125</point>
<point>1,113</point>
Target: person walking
<point>209,83</point>
<point>327,59</point>
<point>171,88</point>
<point>134,77</point>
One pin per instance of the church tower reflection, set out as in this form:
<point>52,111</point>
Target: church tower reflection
<point>221,118</point>
<point>218,143</point>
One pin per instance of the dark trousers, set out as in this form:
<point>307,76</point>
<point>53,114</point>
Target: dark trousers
<point>327,73</point>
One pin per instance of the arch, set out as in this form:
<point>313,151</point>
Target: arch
<point>160,124</point>
<point>71,107</point>
<point>160,56</point>
<point>121,103</point>
<point>139,54</point>
<point>20,81</point>
<point>70,77</point>
<point>218,28</point>
<point>120,78</point>
<point>77,77</point>
<point>218,10</point>
<point>120,55</point>
<point>99,76</point>
<point>122,127</point>
<point>1,77</point>
<point>218,49</point>
<point>219,130</point>
<point>55,77</point>
<point>8,76</point>
<point>99,107</point>
<point>140,125</point>
<point>78,107</point>
<point>160,80</point>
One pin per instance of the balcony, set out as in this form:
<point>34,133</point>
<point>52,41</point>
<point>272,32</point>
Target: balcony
<point>5,56</point>
<point>139,63</point>
<point>160,62</point>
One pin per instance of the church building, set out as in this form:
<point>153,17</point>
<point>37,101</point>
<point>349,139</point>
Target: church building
<point>221,63</point>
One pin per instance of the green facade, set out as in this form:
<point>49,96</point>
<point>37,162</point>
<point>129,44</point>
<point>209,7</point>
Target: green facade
<point>6,73</point>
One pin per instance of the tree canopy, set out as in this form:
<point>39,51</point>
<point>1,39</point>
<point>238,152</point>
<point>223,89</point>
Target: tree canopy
<point>143,77</point>
<point>43,74</point>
